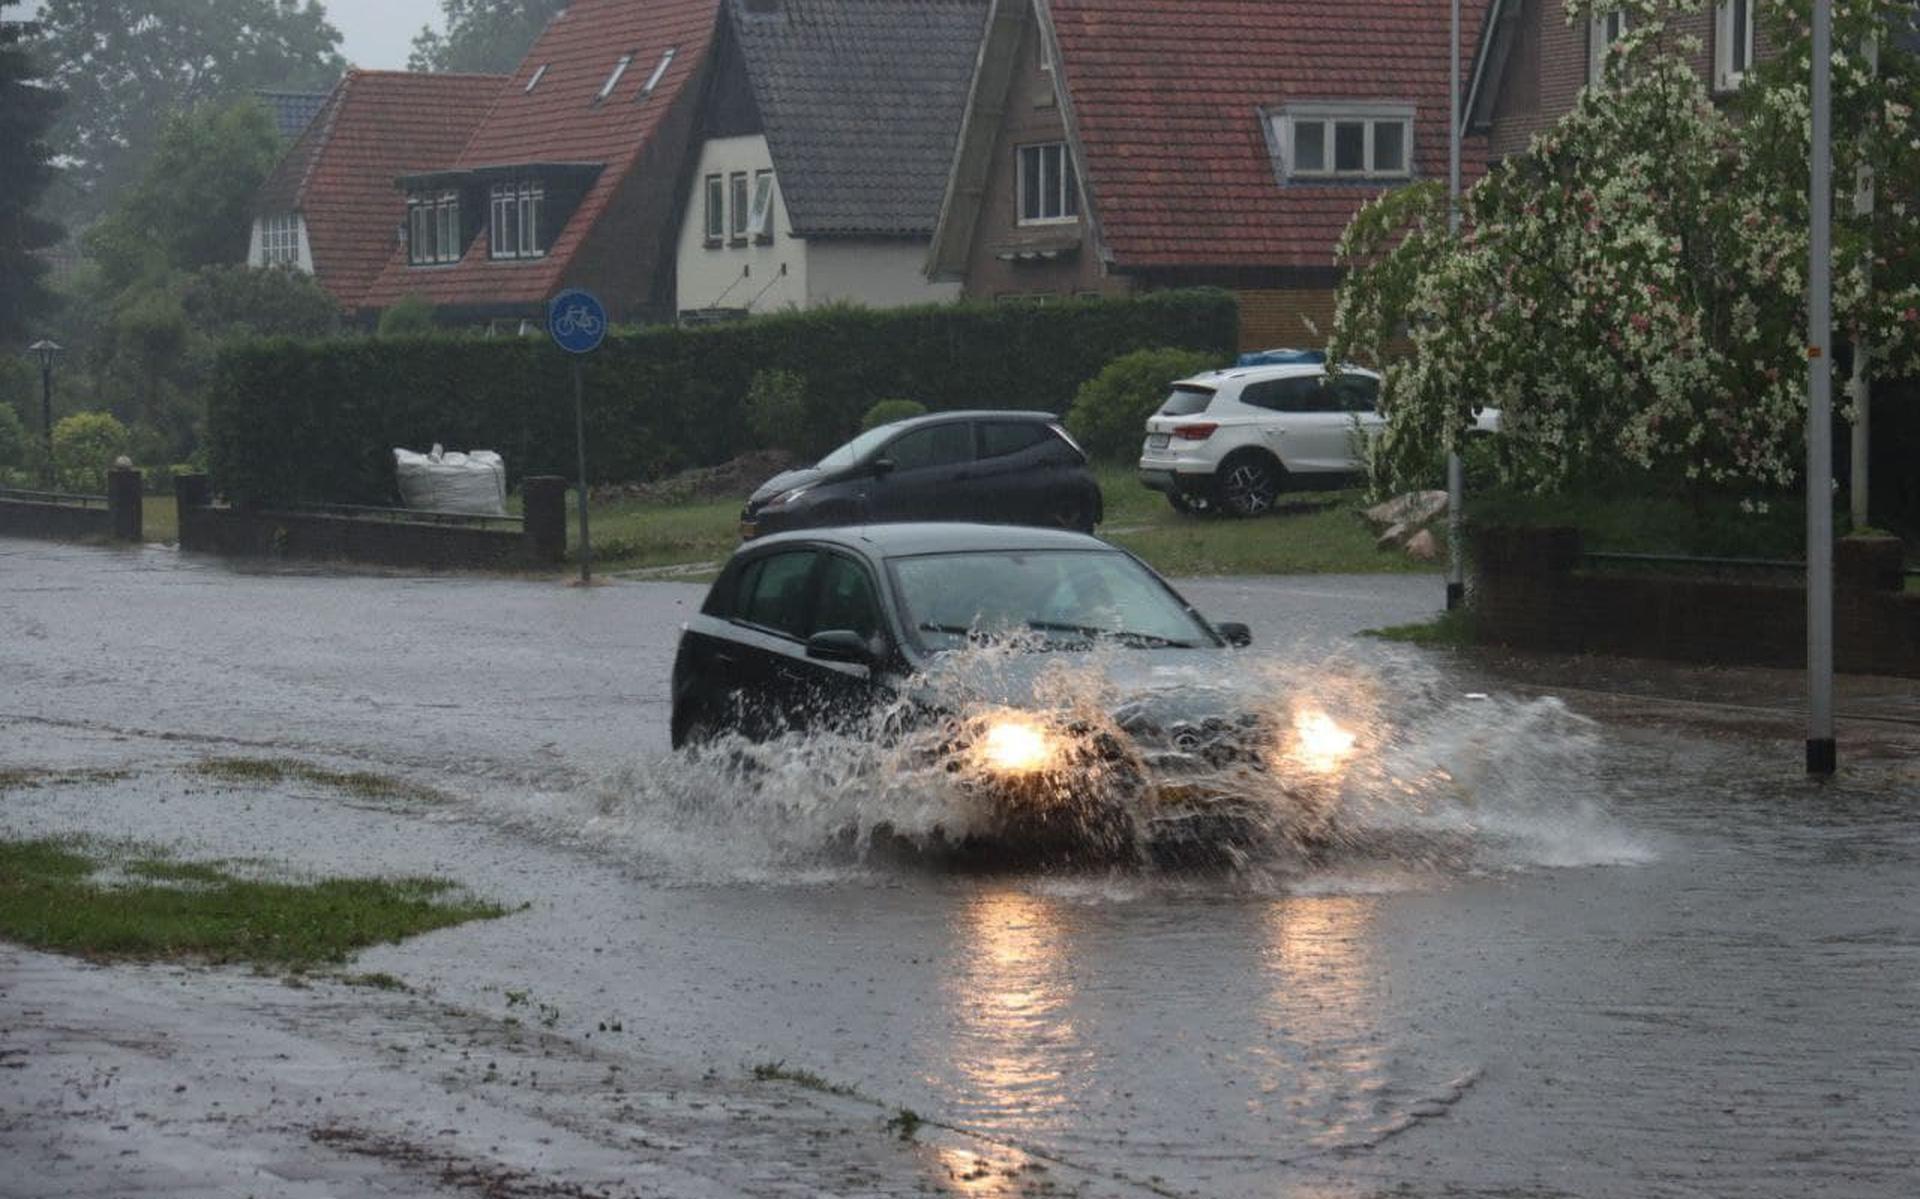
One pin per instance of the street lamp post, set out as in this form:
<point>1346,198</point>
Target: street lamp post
<point>1820,743</point>
<point>1456,472</point>
<point>46,350</point>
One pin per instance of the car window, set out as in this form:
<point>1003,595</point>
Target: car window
<point>934,445</point>
<point>773,592</point>
<point>846,598</point>
<point>856,449</point>
<point>1053,596</point>
<point>1356,393</point>
<point>1000,438</point>
<point>1185,401</point>
<point>1302,393</point>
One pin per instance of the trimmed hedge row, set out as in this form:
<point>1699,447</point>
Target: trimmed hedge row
<point>316,421</point>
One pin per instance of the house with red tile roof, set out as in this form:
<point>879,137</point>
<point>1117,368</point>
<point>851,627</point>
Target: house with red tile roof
<point>571,177</point>
<point>330,207</point>
<point>1113,146</point>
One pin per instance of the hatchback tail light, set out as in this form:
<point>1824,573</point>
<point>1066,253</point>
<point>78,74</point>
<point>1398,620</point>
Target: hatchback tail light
<point>1198,432</point>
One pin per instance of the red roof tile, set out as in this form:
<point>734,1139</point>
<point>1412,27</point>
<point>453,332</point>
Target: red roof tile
<point>339,174</point>
<point>1167,97</point>
<point>558,121</point>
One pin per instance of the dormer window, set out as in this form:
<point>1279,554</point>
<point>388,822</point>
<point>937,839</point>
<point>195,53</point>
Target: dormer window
<point>1732,43</point>
<point>613,79</point>
<point>433,228</point>
<point>1049,193</point>
<point>1345,141</point>
<point>280,240</point>
<point>653,80</point>
<point>515,232</point>
<point>1602,32</point>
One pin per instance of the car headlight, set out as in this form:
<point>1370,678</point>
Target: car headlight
<point>787,497</point>
<point>1016,744</point>
<point>1319,743</point>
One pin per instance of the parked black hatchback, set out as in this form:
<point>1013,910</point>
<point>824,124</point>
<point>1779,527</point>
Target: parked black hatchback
<point>1014,468</point>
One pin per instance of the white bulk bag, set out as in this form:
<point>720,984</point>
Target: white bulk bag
<point>474,483</point>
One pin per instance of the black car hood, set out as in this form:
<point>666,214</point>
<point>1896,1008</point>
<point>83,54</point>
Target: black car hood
<point>787,480</point>
<point>1161,686</point>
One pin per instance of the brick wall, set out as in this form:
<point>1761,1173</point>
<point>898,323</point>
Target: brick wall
<point>1532,592</point>
<point>1271,317</point>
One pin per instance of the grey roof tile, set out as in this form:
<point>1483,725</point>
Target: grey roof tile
<point>861,100</point>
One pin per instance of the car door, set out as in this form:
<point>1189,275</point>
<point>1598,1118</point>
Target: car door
<point>1359,398</point>
<point>771,615</point>
<point>1021,465</point>
<point>846,597</point>
<point>929,462</point>
<point>1309,432</point>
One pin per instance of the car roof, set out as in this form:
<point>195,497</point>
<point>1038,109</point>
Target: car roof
<point>935,418</point>
<point>1260,374</point>
<point>944,537</point>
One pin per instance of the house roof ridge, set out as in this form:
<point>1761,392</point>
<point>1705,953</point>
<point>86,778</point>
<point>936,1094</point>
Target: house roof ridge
<point>320,129</point>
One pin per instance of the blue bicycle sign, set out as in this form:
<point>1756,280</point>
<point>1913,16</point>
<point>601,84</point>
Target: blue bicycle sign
<point>577,321</point>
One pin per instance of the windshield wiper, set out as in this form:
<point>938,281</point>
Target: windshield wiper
<point>1130,636</point>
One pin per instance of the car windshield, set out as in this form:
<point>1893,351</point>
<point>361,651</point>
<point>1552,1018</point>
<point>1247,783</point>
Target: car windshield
<point>1056,598</point>
<point>857,449</point>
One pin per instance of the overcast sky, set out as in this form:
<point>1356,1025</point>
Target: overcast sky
<point>374,33</point>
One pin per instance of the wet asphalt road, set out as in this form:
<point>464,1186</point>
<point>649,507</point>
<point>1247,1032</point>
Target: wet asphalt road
<point>1607,962</point>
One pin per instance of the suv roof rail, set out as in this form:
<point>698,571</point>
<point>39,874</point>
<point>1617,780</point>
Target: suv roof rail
<point>1280,357</point>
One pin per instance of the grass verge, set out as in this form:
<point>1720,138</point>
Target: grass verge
<point>267,771</point>
<point>65,896</point>
<point>1449,630</point>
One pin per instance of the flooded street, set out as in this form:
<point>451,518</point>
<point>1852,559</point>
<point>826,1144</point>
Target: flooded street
<point>1547,955</point>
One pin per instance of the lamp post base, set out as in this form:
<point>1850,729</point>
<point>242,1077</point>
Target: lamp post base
<point>1456,595</point>
<point>1822,757</point>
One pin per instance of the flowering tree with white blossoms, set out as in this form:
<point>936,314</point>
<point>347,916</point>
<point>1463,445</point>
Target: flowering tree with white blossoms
<point>1630,291</point>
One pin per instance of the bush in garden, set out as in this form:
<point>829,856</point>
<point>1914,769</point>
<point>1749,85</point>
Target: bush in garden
<point>84,446</point>
<point>888,411</point>
<point>1110,410</point>
<point>777,410</point>
<point>410,316</point>
<point>13,437</point>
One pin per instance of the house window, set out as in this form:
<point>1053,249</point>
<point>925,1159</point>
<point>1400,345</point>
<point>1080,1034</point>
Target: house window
<point>280,240</point>
<point>653,80</point>
<point>1732,43</point>
<point>433,227</point>
<point>716,210</point>
<point>1048,190</point>
<point>737,198</point>
<point>1602,32</point>
<point>1345,141</point>
<point>760,218</point>
<point>515,232</point>
<point>613,80</point>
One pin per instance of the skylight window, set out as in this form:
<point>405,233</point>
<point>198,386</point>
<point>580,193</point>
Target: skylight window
<point>613,80</point>
<point>538,76</point>
<point>653,80</point>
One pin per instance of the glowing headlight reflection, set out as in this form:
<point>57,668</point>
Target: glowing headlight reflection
<point>1015,745</point>
<point>1320,744</point>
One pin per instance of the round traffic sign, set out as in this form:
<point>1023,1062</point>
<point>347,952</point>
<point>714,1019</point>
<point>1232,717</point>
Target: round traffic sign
<point>576,321</point>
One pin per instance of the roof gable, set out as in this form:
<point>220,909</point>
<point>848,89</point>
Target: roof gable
<point>860,101</point>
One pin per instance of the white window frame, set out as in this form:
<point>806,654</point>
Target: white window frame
<point>613,80</point>
<point>433,228</point>
<point>514,210</point>
<point>716,205</point>
<point>1371,116</point>
<point>1059,199</point>
<point>760,216</point>
<point>737,198</point>
<point>1726,74</point>
<point>280,240</point>
<point>653,80</point>
<point>1600,38</point>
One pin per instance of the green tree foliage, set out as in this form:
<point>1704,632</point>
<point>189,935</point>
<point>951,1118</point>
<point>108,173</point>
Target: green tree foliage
<point>777,412</point>
<point>84,446</point>
<point>1630,291</point>
<point>1110,410</point>
<point>888,411</point>
<point>487,36</point>
<point>126,67</point>
<point>13,438</point>
<point>27,111</point>
<point>409,316</point>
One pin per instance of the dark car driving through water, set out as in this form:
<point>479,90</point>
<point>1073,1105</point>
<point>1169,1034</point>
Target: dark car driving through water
<point>1019,468</point>
<point>880,632</point>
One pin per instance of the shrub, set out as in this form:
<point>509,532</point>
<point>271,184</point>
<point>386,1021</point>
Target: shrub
<point>13,437</point>
<point>410,316</point>
<point>84,446</point>
<point>777,409</point>
<point>888,411</point>
<point>292,421</point>
<point>1111,409</point>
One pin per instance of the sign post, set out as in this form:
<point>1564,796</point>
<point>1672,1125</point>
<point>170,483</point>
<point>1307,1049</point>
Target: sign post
<point>578,324</point>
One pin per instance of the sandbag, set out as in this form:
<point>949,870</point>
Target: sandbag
<point>473,483</point>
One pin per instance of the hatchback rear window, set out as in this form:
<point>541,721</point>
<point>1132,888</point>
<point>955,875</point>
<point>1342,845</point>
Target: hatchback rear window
<point>1185,401</point>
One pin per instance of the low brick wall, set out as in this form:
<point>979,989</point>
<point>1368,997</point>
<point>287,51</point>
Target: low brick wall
<point>115,516</point>
<point>539,541</point>
<point>1532,591</point>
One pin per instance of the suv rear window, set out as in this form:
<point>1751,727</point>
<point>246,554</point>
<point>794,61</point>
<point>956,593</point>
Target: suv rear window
<point>1185,401</point>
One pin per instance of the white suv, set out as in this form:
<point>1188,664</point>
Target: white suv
<point>1234,439</point>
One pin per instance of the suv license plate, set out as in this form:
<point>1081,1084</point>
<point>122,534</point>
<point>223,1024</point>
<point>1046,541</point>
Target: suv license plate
<point>1157,441</point>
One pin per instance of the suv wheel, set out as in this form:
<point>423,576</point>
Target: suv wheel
<point>1248,484</point>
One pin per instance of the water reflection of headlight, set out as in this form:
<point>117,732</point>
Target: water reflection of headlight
<point>1015,744</point>
<point>1319,743</point>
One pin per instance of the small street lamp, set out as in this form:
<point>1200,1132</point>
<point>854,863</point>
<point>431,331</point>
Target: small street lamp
<point>46,350</point>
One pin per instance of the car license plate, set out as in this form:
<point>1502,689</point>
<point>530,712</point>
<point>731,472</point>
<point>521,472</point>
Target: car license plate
<point>1157,441</point>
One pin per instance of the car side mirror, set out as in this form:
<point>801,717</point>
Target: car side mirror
<point>839,645</point>
<point>1234,633</point>
<point>882,466</point>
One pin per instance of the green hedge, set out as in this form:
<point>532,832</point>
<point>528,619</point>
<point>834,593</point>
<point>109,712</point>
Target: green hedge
<point>317,421</point>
